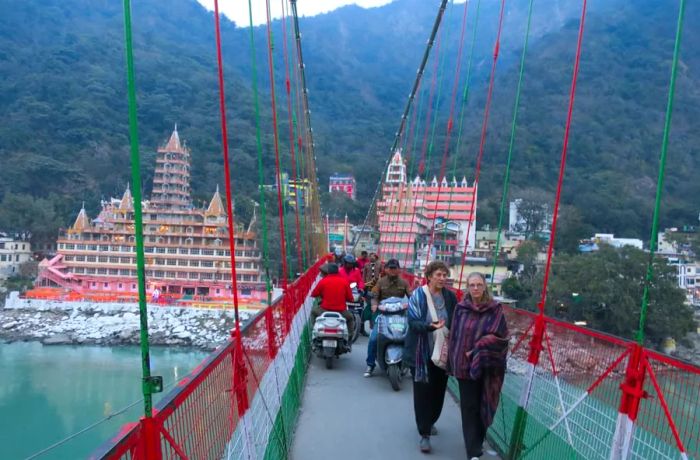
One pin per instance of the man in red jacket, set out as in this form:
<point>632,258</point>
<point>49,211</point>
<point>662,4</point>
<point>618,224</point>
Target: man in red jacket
<point>351,273</point>
<point>334,291</point>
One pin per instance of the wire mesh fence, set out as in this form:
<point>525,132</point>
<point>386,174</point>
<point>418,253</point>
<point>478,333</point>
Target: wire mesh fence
<point>259,380</point>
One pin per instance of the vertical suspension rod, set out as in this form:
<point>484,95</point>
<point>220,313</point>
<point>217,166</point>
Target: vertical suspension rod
<point>404,116</point>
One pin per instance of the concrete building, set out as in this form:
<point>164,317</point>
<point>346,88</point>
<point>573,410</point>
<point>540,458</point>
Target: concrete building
<point>13,253</point>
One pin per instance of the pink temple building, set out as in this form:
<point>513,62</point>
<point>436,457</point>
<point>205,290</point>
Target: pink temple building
<point>186,248</point>
<point>409,209</point>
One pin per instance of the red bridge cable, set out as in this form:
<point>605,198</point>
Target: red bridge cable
<point>482,142</point>
<point>227,169</point>
<point>448,130</point>
<point>273,103</point>
<point>564,150</point>
<point>291,134</point>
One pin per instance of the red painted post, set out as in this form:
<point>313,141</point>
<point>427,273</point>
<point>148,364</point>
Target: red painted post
<point>271,335</point>
<point>632,394</point>
<point>240,374</point>
<point>150,430</point>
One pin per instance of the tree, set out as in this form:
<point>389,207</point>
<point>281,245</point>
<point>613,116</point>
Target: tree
<point>512,288</point>
<point>533,212</point>
<point>604,289</point>
<point>571,229</point>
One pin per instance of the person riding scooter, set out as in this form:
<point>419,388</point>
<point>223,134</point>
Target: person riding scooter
<point>334,292</point>
<point>351,273</point>
<point>390,285</point>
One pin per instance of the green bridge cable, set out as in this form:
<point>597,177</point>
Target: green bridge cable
<point>147,386</point>
<point>662,171</point>
<point>465,98</point>
<point>258,142</point>
<point>506,178</point>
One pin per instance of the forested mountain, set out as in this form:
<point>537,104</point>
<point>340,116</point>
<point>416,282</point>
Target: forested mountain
<point>63,113</point>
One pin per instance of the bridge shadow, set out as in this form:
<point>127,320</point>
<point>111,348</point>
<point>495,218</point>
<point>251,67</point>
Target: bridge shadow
<point>346,416</point>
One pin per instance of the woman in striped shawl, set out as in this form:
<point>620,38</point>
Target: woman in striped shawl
<point>429,381</point>
<point>478,344</point>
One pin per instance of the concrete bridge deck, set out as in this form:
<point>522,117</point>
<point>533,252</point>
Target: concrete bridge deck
<point>345,416</point>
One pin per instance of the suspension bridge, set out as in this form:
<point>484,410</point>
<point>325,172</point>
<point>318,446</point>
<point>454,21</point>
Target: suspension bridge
<point>570,392</point>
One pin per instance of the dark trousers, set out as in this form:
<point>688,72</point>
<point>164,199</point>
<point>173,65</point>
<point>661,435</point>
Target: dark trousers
<point>473,428</point>
<point>428,398</point>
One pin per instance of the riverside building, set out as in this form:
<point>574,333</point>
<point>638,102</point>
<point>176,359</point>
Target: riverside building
<point>186,248</point>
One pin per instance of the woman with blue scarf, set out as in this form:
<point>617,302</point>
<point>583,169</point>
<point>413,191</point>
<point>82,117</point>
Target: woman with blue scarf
<point>429,381</point>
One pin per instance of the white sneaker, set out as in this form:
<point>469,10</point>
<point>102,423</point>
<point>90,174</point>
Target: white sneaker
<point>369,371</point>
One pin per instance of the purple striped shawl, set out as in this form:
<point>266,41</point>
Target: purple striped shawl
<point>478,345</point>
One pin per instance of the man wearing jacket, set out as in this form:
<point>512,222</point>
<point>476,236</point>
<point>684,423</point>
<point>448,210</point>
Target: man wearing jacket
<point>334,291</point>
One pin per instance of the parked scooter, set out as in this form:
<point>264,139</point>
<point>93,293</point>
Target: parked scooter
<point>329,337</point>
<point>392,327</point>
<point>356,307</point>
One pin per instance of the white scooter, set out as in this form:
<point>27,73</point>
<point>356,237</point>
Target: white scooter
<point>329,337</point>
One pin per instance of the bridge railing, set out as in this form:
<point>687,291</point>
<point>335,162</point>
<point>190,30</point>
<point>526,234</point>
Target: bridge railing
<point>201,417</point>
<point>585,394</point>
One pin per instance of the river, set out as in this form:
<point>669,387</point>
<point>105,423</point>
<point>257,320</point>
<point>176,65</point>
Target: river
<point>48,393</point>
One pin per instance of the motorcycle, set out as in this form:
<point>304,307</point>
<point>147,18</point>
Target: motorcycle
<point>329,337</point>
<point>392,327</point>
<point>356,307</point>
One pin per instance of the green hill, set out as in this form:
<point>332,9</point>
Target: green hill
<point>63,115</point>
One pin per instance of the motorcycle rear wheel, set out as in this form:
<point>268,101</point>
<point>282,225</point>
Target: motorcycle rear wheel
<point>329,362</point>
<point>394,372</point>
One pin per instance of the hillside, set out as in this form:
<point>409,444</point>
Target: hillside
<point>63,121</point>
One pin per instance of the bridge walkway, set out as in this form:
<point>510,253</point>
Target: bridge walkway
<point>372,422</point>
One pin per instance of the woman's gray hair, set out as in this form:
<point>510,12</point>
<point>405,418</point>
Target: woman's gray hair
<point>486,296</point>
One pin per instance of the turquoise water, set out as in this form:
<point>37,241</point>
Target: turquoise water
<point>49,393</point>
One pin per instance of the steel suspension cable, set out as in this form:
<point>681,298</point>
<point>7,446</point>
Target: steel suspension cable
<point>288,88</point>
<point>227,167</point>
<point>448,130</point>
<point>482,142</point>
<point>275,136</point>
<point>258,143</point>
<point>438,73</point>
<point>147,386</point>
<point>662,171</point>
<point>317,228</point>
<point>300,168</point>
<point>564,151</point>
<point>416,84</point>
<point>506,178</point>
<point>465,97</point>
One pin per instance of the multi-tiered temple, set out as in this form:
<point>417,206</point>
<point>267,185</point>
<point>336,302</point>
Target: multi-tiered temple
<point>186,248</point>
<point>408,211</point>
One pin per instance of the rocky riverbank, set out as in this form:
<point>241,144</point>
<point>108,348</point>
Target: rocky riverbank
<point>55,323</point>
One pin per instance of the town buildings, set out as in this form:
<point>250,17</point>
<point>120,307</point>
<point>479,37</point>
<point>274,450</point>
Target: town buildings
<point>342,183</point>
<point>13,253</point>
<point>408,209</point>
<point>186,248</point>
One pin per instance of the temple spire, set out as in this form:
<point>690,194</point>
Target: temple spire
<point>82,221</point>
<point>216,205</point>
<point>127,202</point>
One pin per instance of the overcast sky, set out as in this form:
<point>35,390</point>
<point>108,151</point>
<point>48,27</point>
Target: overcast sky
<point>237,10</point>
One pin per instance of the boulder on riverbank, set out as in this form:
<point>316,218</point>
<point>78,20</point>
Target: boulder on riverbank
<point>115,324</point>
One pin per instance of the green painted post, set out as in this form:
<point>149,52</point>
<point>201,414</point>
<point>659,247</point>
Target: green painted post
<point>150,384</point>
